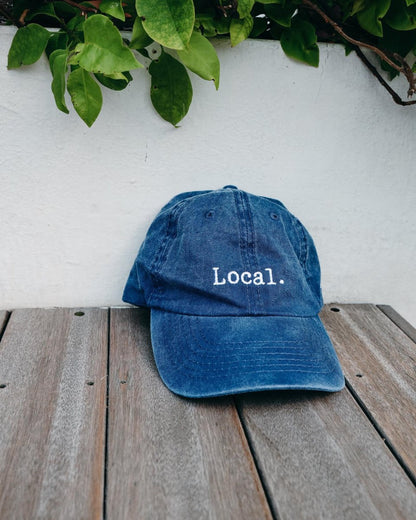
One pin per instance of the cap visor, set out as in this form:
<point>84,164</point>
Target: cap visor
<point>200,356</point>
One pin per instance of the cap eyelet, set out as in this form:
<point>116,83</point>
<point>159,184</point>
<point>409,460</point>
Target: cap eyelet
<point>209,214</point>
<point>273,216</point>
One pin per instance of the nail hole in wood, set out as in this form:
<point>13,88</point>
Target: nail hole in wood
<point>358,375</point>
<point>79,313</point>
<point>335,309</point>
<point>123,382</point>
<point>3,385</point>
<point>90,383</point>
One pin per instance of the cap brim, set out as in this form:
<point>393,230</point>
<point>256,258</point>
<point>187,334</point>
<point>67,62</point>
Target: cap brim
<point>200,356</point>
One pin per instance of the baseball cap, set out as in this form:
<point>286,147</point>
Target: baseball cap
<point>233,284</point>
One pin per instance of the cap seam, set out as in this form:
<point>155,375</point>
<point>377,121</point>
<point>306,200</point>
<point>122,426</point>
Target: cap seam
<point>161,256</point>
<point>239,203</point>
<point>302,240</point>
<point>235,315</point>
<point>254,252</point>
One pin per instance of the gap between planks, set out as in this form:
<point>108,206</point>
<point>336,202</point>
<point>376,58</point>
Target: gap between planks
<point>53,409</point>
<point>399,321</point>
<point>4,320</point>
<point>107,398</point>
<point>194,450</point>
<point>375,360</point>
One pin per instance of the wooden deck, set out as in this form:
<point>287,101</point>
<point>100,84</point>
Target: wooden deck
<point>88,431</point>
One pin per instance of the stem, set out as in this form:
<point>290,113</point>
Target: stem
<point>396,98</point>
<point>407,71</point>
<point>83,8</point>
<point>357,43</point>
<point>404,68</point>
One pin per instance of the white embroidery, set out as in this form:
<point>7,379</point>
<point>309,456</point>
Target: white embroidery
<point>247,278</point>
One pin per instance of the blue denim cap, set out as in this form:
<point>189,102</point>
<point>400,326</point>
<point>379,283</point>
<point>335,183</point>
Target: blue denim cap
<point>233,284</point>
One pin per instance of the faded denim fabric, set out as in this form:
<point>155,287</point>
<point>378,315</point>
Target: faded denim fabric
<point>233,283</point>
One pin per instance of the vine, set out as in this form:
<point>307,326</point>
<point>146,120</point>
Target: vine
<point>87,49</point>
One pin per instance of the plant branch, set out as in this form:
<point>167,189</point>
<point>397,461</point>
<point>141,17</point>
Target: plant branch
<point>354,42</point>
<point>83,8</point>
<point>396,98</point>
<point>404,68</point>
<point>407,71</point>
<point>8,16</point>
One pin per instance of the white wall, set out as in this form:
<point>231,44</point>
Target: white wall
<point>75,202</point>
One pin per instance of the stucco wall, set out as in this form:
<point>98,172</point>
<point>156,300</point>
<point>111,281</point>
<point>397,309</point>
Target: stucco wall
<point>75,202</point>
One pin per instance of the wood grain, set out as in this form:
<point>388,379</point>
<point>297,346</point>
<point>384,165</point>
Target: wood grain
<point>169,457</point>
<point>320,458</point>
<point>398,320</point>
<point>379,361</point>
<point>52,428</point>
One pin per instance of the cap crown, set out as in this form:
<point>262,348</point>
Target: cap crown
<point>226,253</point>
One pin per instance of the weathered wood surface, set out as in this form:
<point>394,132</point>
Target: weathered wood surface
<point>379,361</point>
<point>52,426</point>
<point>171,457</point>
<point>156,455</point>
<point>398,320</point>
<point>321,458</point>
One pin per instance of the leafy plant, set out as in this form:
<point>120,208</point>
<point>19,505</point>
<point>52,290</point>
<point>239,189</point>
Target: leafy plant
<point>168,38</point>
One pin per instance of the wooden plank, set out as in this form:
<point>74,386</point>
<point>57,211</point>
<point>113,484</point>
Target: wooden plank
<point>171,457</point>
<point>379,361</point>
<point>52,429</point>
<point>395,317</point>
<point>320,457</point>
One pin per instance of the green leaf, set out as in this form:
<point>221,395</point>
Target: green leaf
<point>222,25</point>
<point>357,6</point>
<point>240,29</point>
<point>56,41</point>
<point>103,50</point>
<point>76,24</point>
<point>27,46</point>
<point>85,95</point>
<point>371,15</point>
<point>113,8</point>
<point>74,56</point>
<point>168,22</point>
<point>400,42</point>
<point>58,65</point>
<point>139,37</point>
<point>64,10</point>
<point>271,1</point>
<point>410,2</point>
<point>43,10</point>
<point>299,42</point>
<point>276,31</point>
<point>244,7</point>
<point>205,23</point>
<point>281,14</point>
<point>401,18</point>
<point>171,89</point>
<point>118,81</point>
<point>210,25</point>
<point>259,27</point>
<point>201,58</point>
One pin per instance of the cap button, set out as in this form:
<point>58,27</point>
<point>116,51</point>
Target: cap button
<point>231,187</point>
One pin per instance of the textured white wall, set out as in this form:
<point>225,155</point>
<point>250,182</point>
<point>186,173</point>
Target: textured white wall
<point>75,202</point>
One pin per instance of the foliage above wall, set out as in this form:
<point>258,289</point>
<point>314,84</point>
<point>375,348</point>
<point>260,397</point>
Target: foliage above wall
<point>169,38</point>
